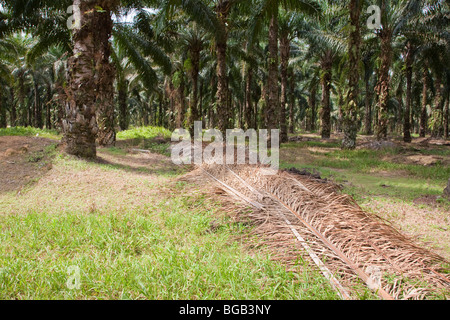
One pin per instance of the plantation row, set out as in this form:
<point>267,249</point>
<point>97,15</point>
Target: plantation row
<point>310,65</point>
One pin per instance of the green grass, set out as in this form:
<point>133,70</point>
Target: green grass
<point>365,173</point>
<point>133,256</point>
<point>30,131</point>
<point>163,248</point>
<point>371,161</point>
<point>144,133</point>
<point>304,144</point>
<point>144,137</point>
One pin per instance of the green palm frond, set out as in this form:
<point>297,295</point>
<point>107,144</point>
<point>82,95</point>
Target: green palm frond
<point>142,65</point>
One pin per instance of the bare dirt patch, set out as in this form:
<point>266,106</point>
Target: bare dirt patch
<point>22,160</point>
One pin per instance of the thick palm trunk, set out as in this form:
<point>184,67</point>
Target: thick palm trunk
<point>105,77</point>
<point>273,102</point>
<point>407,115</point>
<point>285,51</point>
<point>223,112</point>
<point>423,114</point>
<point>350,109</point>
<point>383,84</point>
<point>90,81</point>
<point>325,113</point>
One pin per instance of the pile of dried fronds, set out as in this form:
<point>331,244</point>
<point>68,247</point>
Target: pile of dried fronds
<point>346,243</point>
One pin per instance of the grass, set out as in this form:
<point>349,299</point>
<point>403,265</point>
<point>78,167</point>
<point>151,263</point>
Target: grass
<point>134,234</point>
<point>130,241</point>
<point>144,133</point>
<point>364,173</point>
<point>367,161</point>
<point>145,137</point>
<point>30,131</point>
<point>133,256</point>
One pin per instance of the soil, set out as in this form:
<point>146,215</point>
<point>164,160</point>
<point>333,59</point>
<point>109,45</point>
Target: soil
<point>22,159</point>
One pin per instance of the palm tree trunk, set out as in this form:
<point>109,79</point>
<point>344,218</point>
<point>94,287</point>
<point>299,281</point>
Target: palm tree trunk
<point>341,102</point>
<point>285,50</point>
<point>200,104</point>
<point>438,130</point>
<point>368,106</point>
<point>181,105</point>
<point>195,115</point>
<point>383,84</point>
<point>2,112</point>
<point>22,108</point>
<point>48,113</point>
<point>291,102</point>
<point>13,112</point>
<point>446,115</point>
<point>312,107</point>
<point>248,113</point>
<point>37,106</point>
<point>106,75</point>
<point>272,80</point>
<point>423,113</point>
<point>122,99</point>
<point>223,112</point>
<point>145,114</point>
<point>90,82</point>
<point>325,113</point>
<point>400,113</point>
<point>169,93</point>
<point>29,114</point>
<point>350,109</point>
<point>406,118</point>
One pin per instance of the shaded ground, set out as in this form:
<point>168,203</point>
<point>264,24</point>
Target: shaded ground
<point>22,159</point>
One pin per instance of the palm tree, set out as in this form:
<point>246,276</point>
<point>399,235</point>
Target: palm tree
<point>269,10</point>
<point>394,17</point>
<point>326,44</point>
<point>7,56</point>
<point>193,41</point>
<point>408,70</point>
<point>350,110</point>
<point>288,24</point>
